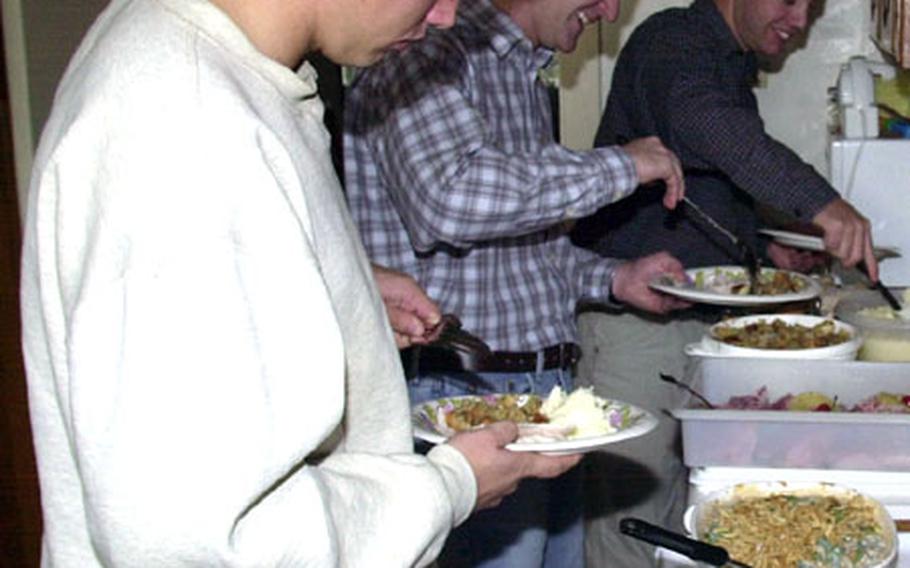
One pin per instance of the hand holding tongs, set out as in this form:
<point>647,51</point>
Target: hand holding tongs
<point>694,549</point>
<point>749,258</point>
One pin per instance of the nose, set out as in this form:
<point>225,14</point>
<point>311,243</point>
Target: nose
<point>612,11</point>
<point>442,14</point>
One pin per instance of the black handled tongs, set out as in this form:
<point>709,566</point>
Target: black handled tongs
<point>882,289</point>
<point>694,549</point>
<point>747,253</point>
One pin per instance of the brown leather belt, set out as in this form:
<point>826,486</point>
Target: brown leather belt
<point>425,360</point>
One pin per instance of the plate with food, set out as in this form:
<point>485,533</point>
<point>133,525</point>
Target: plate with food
<point>560,423</point>
<point>816,244</point>
<point>729,286</point>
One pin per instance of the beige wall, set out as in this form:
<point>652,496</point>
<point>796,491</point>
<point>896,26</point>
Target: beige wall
<point>40,36</point>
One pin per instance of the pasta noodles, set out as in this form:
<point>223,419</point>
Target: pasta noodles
<point>784,530</point>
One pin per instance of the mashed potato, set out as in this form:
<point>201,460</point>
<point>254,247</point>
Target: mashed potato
<point>582,409</point>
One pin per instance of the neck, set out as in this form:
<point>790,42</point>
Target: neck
<point>726,8</point>
<point>279,29</point>
<point>516,9</point>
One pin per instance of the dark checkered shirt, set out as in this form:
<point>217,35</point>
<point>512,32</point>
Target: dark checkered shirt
<point>453,176</point>
<point>683,77</point>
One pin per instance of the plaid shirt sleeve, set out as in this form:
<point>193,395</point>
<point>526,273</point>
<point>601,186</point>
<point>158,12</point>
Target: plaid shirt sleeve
<point>452,179</point>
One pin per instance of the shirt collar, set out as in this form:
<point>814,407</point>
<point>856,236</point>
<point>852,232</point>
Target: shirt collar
<point>717,26</point>
<point>215,24</point>
<point>503,33</point>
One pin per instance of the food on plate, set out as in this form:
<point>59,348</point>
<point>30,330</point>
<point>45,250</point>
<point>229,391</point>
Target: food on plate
<point>798,530</point>
<point>770,282</point>
<point>811,401</point>
<point>778,334</point>
<point>582,410</point>
<point>579,414</point>
<point>473,412</point>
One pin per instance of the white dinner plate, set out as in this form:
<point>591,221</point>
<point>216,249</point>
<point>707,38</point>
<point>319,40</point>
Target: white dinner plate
<point>428,420</point>
<point>715,278</point>
<point>809,242</point>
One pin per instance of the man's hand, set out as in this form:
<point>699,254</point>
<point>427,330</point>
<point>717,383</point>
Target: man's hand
<point>848,235</point>
<point>789,258</point>
<point>630,283</point>
<point>655,162</point>
<point>411,312</point>
<point>499,470</point>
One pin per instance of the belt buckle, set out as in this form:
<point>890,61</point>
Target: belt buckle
<point>568,355</point>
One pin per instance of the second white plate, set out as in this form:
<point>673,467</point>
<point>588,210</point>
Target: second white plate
<point>809,242</point>
<point>709,291</point>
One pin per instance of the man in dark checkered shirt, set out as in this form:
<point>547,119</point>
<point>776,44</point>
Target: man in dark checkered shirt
<point>686,75</point>
<point>454,177</point>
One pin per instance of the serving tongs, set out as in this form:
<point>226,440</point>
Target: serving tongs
<point>747,253</point>
<point>448,334</point>
<point>694,549</point>
<point>449,341</point>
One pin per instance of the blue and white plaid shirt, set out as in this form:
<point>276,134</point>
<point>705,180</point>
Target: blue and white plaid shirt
<point>454,177</point>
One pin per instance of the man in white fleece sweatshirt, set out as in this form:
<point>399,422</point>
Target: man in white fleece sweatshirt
<point>212,377</point>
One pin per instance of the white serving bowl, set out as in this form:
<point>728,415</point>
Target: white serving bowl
<point>711,347</point>
<point>696,515</point>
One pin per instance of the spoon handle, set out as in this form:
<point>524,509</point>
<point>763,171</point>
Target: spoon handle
<point>694,549</point>
<point>674,381</point>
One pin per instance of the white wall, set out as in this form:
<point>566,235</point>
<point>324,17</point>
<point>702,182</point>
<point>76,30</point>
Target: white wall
<point>792,100</point>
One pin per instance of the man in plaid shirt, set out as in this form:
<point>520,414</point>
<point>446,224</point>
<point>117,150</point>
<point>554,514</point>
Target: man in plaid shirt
<point>454,176</point>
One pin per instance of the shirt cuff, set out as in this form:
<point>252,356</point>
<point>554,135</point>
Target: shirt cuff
<point>599,281</point>
<point>458,478</point>
<point>618,171</point>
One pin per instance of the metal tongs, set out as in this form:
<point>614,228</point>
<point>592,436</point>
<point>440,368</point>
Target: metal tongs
<point>694,549</point>
<point>749,258</point>
<point>449,334</point>
<point>459,347</point>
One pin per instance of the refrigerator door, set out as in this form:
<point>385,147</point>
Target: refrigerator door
<point>874,176</point>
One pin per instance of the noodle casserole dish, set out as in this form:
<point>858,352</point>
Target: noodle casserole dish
<point>796,525</point>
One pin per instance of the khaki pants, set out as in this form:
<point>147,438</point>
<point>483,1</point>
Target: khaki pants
<point>622,354</point>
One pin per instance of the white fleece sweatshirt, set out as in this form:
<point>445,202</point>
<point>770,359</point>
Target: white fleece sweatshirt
<point>212,378</point>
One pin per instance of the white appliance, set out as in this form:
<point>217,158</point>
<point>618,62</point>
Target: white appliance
<point>872,173</point>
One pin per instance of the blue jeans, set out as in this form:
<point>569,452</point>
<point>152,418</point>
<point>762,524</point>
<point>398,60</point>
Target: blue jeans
<point>540,525</point>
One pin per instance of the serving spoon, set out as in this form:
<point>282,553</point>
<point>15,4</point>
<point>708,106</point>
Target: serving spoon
<point>674,381</point>
<point>694,549</point>
<point>883,290</point>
